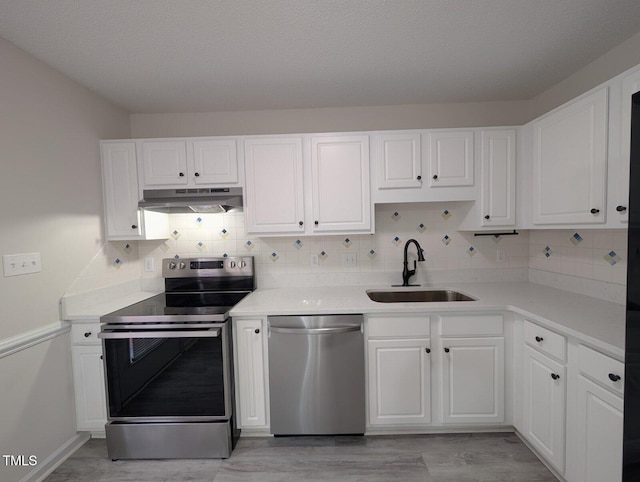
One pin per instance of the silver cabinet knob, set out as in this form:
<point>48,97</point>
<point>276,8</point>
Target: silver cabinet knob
<point>182,265</point>
<point>172,265</point>
<point>232,264</point>
<point>242,264</point>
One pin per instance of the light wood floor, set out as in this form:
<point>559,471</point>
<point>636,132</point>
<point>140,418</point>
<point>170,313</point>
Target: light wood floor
<point>425,458</point>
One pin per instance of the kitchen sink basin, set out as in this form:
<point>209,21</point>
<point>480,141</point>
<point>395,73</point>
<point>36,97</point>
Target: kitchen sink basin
<point>417,296</point>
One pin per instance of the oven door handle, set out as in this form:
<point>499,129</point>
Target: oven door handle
<point>157,326</point>
<point>212,333</point>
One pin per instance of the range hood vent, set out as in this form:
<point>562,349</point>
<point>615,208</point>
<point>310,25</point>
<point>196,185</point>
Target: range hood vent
<point>201,200</point>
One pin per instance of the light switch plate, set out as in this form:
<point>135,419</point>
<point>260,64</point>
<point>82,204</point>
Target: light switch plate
<point>25,263</point>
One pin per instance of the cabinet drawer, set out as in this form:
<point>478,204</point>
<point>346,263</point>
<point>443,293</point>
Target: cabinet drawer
<point>399,326</point>
<point>467,325</point>
<point>545,340</point>
<point>601,368</point>
<point>85,333</point>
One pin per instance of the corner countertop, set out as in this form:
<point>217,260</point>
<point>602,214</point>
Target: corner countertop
<point>595,322</point>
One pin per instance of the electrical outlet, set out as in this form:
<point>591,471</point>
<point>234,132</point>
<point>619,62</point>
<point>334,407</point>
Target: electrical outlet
<point>314,260</point>
<point>500,256</point>
<point>25,263</point>
<point>149,265</point>
<point>350,260</point>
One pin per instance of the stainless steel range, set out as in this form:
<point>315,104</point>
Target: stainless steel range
<point>169,364</point>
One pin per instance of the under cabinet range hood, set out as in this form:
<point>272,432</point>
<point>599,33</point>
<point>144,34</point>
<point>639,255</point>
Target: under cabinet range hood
<point>196,200</point>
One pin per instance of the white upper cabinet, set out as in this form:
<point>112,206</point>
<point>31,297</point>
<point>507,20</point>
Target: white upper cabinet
<point>340,183</point>
<point>124,220</point>
<point>498,195</point>
<point>163,163</point>
<point>398,161</point>
<point>570,162</point>
<point>630,85</point>
<point>213,162</point>
<point>450,158</point>
<point>274,193</point>
<point>198,162</point>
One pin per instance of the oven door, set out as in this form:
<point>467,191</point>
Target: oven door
<point>159,373</point>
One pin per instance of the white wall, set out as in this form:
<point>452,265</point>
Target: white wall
<point>50,202</point>
<point>416,116</point>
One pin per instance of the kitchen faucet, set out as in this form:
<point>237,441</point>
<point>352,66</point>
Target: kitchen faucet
<point>406,272</point>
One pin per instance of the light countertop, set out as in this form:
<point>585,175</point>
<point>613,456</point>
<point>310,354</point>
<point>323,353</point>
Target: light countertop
<point>593,321</point>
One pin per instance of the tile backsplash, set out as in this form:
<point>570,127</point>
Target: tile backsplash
<point>597,255</point>
<point>433,225</point>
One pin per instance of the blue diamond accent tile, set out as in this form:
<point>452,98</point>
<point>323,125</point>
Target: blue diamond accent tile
<point>177,256</point>
<point>446,214</point>
<point>471,251</point>
<point>347,243</point>
<point>224,233</point>
<point>298,244</point>
<point>446,240</point>
<point>117,263</point>
<point>372,254</point>
<point>421,228</point>
<point>323,255</point>
<point>547,251</point>
<point>225,255</point>
<point>576,239</point>
<point>396,216</point>
<point>127,248</point>
<point>175,234</point>
<point>249,245</point>
<point>198,220</point>
<point>612,258</point>
<point>396,241</point>
<point>274,257</point>
<point>200,246</point>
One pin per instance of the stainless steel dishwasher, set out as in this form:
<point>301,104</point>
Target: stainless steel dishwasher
<point>316,374</point>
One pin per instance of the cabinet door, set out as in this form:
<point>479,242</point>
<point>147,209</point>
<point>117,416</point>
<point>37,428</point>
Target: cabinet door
<point>570,162</point>
<point>164,163</point>
<point>473,380</point>
<point>399,382</point>
<point>451,158</point>
<point>340,184</point>
<point>630,85</point>
<point>250,376</point>
<point>498,178</point>
<point>544,406</point>
<point>214,162</point>
<point>274,185</point>
<point>599,433</point>
<point>398,161</point>
<point>120,184</point>
<point>88,378</point>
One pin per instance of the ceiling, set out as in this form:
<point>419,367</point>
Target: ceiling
<point>152,56</point>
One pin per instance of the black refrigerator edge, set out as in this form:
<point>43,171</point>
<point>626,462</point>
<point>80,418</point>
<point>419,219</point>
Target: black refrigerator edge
<point>631,442</point>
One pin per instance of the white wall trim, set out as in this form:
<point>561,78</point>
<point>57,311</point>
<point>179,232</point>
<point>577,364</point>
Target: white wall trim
<point>9,346</point>
<point>42,470</point>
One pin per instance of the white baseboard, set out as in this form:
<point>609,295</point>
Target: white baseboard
<point>44,468</point>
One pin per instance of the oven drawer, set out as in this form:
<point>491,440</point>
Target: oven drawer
<point>85,333</point>
<point>168,440</point>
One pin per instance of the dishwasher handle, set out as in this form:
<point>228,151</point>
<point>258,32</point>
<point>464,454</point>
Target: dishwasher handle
<point>316,331</point>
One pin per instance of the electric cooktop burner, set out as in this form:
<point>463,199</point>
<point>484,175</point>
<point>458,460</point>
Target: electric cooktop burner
<point>196,289</point>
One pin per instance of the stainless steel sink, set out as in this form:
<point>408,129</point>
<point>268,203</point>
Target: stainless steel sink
<point>417,296</point>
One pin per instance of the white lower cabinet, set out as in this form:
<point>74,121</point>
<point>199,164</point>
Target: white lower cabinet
<point>250,374</point>
<point>597,441</point>
<point>544,405</point>
<point>88,378</point>
<point>399,370</point>
<point>473,380</point>
<point>399,381</point>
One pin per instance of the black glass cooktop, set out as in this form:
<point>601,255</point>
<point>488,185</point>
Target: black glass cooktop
<point>204,306</point>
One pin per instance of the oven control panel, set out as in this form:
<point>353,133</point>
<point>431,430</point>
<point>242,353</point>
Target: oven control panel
<point>207,267</point>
